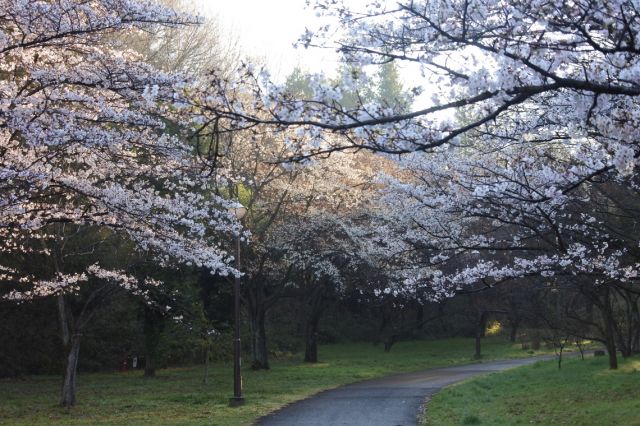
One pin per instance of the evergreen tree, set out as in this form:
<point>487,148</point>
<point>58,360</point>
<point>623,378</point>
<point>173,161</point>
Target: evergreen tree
<point>298,84</point>
<point>390,91</point>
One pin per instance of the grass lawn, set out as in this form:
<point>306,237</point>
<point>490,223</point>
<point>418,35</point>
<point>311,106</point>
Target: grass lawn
<point>581,393</point>
<point>178,396</point>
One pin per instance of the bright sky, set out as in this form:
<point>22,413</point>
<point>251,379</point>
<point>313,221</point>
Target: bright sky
<point>268,29</point>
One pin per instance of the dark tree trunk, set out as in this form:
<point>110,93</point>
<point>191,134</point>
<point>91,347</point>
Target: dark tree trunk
<point>478,353</point>
<point>625,350</point>
<point>152,327</point>
<point>207,356</point>
<point>71,342</point>
<point>613,357</point>
<point>480,327</point>
<point>419,315</point>
<point>635,328</point>
<point>149,364</point>
<point>384,321</point>
<point>628,331</point>
<point>311,340</point>
<point>635,340</point>
<point>63,318</point>
<point>408,332</point>
<point>513,334</point>
<point>68,398</point>
<point>483,325</point>
<point>314,298</point>
<point>258,302</point>
<point>259,354</point>
<point>610,331</point>
<point>390,342</point>
<point>560,356</point>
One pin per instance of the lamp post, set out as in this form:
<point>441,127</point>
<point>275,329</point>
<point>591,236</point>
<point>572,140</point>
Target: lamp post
<point>237,398</point>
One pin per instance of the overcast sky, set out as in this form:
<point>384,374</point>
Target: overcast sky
<point>268,29</point>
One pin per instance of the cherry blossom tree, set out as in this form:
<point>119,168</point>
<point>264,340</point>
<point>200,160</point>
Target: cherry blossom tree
<point>327,240</point>
<point>286,205</point>
<point>320,249</point>
<point>526,107</point>
<point>485,59</point>
<point>496,215</point>
<point>84,141</point>
<point>279,195</point>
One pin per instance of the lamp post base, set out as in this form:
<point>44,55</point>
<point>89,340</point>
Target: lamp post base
<point>236,401</point>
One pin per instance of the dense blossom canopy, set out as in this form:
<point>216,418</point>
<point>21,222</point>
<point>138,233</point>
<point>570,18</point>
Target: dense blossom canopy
<point>85,138</point>
<point>533,107</point>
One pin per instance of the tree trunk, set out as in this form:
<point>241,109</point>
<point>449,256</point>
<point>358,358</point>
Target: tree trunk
<point>207,355</point>
<point>483,325</point>
<point>384,320</point>
<point>635,328</point>
<point>389,342</point>
<point>635,346</point>
<point>625,350</point>
<point>68,398</point>
<point>580,348</point>
<point>311,340</point>
<point>513,334</point>
<point>610,337</point>
<point>313,301</point>
<point>560,356</point>
<point>478,353</point>
<point>259,354</point>
<point>152,327</point>
<point>480,327</point>
<point>149,364</point>
<point>419,315</point>
<point>613,357</point>
<point>63,318</point>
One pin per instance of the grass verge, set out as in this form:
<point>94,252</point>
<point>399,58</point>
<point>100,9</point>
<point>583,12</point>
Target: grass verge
<point>581,393</point>
<point>178,396</point>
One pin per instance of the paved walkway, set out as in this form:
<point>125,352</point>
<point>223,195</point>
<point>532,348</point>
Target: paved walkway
<point>388,401</point>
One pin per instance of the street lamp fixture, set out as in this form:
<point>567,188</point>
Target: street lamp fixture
<point>239,211</point>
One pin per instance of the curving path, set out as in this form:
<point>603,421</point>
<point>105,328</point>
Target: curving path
<point>387,401</point>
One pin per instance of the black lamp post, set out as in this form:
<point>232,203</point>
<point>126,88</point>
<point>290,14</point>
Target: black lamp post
<point>237,398</point>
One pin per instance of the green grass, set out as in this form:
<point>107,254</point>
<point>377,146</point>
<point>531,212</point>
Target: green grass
<point>581,393</point>
<point>178,396</point>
